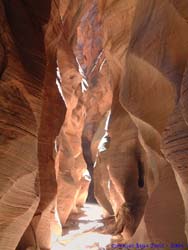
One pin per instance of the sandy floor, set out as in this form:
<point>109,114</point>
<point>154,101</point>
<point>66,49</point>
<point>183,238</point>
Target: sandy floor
<point>83,231</point>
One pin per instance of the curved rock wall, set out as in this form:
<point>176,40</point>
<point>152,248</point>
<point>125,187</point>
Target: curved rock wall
<point>32,112</point>
<point>87,95</point>
<point>73,178</point>
<point>146,52</point>
<point>98,100</point>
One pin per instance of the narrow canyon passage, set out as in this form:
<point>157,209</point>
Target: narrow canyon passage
<point>93,124</point>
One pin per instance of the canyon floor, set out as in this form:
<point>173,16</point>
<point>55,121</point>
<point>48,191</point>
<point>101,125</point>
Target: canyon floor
<point>84,230</point>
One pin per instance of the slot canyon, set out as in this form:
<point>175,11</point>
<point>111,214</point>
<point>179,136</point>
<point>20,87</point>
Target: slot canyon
<point>93,124</point>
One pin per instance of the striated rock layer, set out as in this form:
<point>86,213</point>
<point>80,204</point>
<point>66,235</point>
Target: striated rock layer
<point>32,112</point>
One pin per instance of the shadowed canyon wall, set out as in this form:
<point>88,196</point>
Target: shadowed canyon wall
<point>100,81</point>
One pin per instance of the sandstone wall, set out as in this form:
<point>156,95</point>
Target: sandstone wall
<point>32,112</point>
<point>146,52</point>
